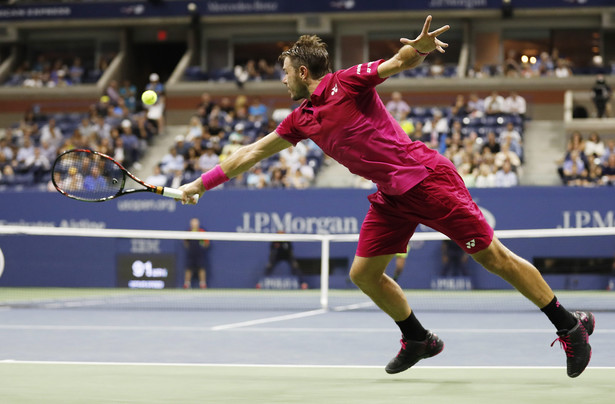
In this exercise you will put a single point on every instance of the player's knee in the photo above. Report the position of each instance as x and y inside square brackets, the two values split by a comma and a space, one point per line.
[497, 259]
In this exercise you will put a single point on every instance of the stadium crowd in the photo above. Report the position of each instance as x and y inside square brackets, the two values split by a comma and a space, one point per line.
[483, 137]
[48, 70]
[587, 162]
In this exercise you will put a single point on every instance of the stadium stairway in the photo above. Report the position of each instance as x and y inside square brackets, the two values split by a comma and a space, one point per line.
[544, 144]
[159, 147]
[334, 175]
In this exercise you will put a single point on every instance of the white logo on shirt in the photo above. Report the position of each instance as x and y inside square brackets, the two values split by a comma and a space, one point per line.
[334, 90]
[369, 69]
[471, 243]
[359, 68]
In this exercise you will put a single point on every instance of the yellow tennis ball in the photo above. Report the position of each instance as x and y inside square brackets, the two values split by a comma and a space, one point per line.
[149, 97]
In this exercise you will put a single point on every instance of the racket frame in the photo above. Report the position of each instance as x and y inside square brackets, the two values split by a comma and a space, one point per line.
[164, 191]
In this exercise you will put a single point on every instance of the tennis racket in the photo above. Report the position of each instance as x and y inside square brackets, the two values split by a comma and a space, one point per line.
[90, 176]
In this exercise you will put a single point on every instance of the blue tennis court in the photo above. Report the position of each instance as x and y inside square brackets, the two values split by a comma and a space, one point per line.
[83, 349]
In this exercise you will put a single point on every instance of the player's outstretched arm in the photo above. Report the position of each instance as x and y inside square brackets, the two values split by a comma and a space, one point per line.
[240, 161]
[414, 51]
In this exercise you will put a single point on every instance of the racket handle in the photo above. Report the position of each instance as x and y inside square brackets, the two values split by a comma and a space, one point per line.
[176, 194]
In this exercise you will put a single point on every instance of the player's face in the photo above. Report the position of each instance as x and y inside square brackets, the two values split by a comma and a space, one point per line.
[296, 86]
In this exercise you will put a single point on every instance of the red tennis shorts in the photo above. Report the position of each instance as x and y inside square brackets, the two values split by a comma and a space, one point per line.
[441, 201]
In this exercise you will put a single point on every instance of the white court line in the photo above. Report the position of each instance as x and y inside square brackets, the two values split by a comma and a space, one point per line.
[257, 365]
[269, 320]
[290, 316]
[242, 327]
[251, 365]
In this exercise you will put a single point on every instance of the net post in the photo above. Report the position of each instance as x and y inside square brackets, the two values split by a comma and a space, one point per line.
[324, 272]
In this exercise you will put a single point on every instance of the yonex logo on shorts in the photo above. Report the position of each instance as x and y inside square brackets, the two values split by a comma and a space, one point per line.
[471, 243]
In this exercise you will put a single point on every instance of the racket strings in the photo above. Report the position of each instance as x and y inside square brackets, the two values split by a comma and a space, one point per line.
[84, 175]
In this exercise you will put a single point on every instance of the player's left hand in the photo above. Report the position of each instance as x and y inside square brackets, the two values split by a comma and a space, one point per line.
[427, 41]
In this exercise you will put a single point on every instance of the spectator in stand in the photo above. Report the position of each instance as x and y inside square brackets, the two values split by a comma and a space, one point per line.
[205, 107]
[476, 106]
[544, 65]
[278, 178]
[172, 161]
[468, 176]
[73, 181]
[594, 173]
[24, 154]
[235, 142]
[256, 178]
[515, 104]
[513, 137]
[608, 171]
[601, 96]
[573, 168]
[494, 104]
[460, 108]
[485, 178]
[157, 178]
[397, 106]
[51, 133]
[562, 69]
[307, 171]
[436, 68]
[128, 92]
[38, 165]
[76, 71]
[610, 149]
[298, 181]
[292, 156]
[155, 113]
[505, 154]
[48, 150]
[511, 65]
[29, 121]
[594, 147]
[437, 128]
[257, 109]
[133, 146]
[93, 180]
[208, 159]
[113, 92]
[505, 176]
[195, 129]
[491, 143]
[6, 152]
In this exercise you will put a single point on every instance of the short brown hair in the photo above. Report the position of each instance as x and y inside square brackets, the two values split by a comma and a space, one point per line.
[309, 51]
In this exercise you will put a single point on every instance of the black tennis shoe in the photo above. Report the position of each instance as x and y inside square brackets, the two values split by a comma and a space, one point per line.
[575, 343]
[413, 351]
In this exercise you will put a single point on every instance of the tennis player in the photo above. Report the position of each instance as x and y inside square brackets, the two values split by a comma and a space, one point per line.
[343, 114]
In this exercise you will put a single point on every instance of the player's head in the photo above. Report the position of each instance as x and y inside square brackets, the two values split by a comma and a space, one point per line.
[306, 60]
[195, 223]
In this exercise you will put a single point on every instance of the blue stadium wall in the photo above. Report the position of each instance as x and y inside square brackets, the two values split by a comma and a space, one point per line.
[94, 262]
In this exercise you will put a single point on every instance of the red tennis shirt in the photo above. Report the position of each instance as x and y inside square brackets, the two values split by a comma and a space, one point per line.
[347, 119]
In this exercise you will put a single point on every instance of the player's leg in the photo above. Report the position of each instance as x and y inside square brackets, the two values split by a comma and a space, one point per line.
[368, 274]
[187, 278]
[417, 342]
[573, 328]
[515, 270]
[202, 278]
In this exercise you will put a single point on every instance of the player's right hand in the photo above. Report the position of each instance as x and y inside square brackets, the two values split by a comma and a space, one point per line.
[192, 192]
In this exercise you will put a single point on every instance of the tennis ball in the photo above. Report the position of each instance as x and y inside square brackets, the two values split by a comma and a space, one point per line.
[149, 97]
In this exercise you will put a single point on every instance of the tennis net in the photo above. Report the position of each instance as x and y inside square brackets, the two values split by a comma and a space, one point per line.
[90, 269]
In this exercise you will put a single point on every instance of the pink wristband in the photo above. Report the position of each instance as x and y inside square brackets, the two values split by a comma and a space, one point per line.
[421, 53]
[213, 178]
